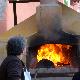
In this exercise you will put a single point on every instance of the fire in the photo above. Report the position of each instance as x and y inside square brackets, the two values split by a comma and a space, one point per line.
[53, 52]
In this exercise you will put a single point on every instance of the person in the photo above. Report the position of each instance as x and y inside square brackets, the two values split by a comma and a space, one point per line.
[12, 66]
[76, 76]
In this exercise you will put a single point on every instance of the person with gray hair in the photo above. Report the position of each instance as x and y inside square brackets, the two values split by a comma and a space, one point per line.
[12, 66]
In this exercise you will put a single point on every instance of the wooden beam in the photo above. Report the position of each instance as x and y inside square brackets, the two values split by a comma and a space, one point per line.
[15, 14]
[14, 7]
[23, 1]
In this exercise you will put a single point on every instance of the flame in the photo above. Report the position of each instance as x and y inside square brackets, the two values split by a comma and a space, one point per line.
[53, 52]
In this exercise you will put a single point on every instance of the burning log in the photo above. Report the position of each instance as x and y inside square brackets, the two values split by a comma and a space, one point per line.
[45, 63]
[62, 64]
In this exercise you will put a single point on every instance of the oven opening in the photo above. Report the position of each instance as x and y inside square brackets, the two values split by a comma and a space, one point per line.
[58, 54]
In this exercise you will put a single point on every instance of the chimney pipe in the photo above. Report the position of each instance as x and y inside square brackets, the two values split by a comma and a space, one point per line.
[49, 18]
[48, 1]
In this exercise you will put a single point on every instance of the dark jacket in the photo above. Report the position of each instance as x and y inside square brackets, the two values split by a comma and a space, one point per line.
[11, 69]
[76, 76]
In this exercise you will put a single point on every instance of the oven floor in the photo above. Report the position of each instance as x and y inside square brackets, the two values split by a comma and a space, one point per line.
[54, 78]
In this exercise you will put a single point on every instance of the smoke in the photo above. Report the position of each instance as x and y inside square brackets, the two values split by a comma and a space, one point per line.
[51, 30]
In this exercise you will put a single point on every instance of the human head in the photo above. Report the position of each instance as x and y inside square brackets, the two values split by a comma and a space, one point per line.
[16, 45]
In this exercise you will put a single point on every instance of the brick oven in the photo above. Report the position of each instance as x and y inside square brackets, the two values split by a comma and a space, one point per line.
[52, 52]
